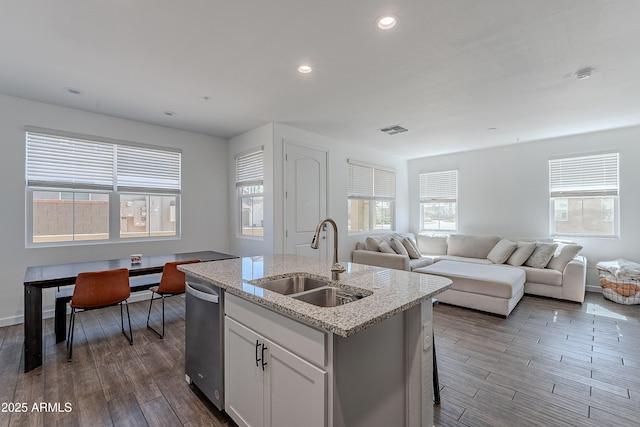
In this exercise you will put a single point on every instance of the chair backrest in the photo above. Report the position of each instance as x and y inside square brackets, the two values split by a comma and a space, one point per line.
[101, 288]
[173, 280]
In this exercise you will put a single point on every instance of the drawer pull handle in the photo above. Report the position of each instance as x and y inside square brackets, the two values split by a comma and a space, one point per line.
[264, 363]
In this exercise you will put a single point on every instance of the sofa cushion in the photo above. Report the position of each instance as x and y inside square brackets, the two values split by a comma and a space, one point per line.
[385, 247]
[397, 246]
[463, 259]
[501, 251]
[541, 255]
[521, 254]
[545, 276]
[419, 263]
[492, 280]
[432, 245]
[471, 246]
[411, 248]
[563, 254]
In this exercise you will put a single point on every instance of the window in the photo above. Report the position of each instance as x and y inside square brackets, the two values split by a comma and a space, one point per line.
[583, 195]
[73, 183]
[439, 200]
[249, 182]
[371, 194]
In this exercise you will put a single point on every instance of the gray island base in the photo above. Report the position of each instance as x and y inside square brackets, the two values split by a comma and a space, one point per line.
[289, 363]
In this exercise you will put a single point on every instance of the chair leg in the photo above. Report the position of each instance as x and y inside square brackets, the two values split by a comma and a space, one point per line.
[161, 335]
[130, 336]
[150, 304]
[72, 324]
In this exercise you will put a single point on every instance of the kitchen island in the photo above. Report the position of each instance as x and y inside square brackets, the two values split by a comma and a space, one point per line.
[288, 362]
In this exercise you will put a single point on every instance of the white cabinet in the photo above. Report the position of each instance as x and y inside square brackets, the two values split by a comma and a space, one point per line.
[266, 383]
[280, 372]
[244, 378]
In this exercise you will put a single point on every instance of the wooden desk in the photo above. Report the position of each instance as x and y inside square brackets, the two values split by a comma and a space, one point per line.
[49, 276]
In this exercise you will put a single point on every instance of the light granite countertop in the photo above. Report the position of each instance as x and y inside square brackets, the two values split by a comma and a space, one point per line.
[389, 291]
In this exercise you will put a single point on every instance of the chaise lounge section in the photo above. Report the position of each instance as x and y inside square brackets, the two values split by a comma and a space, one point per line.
[489, 273]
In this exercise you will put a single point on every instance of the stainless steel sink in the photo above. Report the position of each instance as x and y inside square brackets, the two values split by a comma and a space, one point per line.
[291, 285]
[329, 297]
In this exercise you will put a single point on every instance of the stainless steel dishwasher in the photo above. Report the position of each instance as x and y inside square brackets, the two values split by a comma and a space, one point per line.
[204, 339]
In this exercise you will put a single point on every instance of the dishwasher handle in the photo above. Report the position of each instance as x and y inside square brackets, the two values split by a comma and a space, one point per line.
[214, 298]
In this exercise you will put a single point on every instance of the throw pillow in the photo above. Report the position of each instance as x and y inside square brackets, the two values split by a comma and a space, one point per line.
[386, 248]
[501, 251]
[522, 253]
[563, 255]
[412, 248]
[399, 247]
[371, 243]
[541, 255]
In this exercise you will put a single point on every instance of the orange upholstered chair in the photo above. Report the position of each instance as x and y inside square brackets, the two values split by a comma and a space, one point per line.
[98, 290]
[171, 283]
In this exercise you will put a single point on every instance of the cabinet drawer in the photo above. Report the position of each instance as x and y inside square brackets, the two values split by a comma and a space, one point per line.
[305, 341]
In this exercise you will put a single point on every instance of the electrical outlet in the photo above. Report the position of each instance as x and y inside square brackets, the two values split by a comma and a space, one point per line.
[427, 334]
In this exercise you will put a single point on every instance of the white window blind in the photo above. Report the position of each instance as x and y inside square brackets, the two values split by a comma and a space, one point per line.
[250, 168]
[594, 175]
[439, 186]
[146, 169]
[370, 182]
[68, 162]
[384, 184]
[54, 161]
[360, 181]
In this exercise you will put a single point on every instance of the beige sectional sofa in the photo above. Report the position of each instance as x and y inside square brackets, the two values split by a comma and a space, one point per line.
[551, 269]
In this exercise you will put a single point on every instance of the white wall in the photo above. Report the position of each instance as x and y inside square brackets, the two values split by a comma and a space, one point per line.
[273, 136]
[204, 184]
[243, 245]
[338, 153]
[505, 190]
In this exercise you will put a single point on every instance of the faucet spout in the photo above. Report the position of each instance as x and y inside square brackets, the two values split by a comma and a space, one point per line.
[336, 268]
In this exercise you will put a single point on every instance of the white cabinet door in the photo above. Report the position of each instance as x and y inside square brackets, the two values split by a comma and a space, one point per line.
[243, 383]
[295, 390]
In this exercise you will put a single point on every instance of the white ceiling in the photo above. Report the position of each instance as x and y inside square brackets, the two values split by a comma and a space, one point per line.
[449, 70]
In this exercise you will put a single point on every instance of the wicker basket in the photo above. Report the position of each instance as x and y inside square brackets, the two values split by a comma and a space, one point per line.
[622, 291]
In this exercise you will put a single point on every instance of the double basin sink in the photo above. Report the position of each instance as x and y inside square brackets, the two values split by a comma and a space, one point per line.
[312, 290]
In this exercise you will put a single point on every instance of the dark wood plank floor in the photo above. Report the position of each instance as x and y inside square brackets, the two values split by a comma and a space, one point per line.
[550, 363]
[109, 382]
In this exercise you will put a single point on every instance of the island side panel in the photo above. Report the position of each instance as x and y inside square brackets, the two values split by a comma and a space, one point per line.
[419, 373]
[369, 376]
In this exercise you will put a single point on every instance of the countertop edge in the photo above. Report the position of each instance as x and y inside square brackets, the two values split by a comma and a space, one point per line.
[309, 319]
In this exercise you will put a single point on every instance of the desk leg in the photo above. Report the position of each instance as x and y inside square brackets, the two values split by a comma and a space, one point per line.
[60, 319]
[32, 327]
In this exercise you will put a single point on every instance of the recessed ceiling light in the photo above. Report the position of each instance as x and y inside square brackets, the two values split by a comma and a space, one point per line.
[386, 22]
[170, 113]
[305, 69]
[74, 91]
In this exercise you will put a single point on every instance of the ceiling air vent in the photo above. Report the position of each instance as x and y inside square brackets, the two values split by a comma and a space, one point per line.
[392, 130]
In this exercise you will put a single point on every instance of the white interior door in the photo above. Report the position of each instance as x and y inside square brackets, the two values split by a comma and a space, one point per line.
[305, 198]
